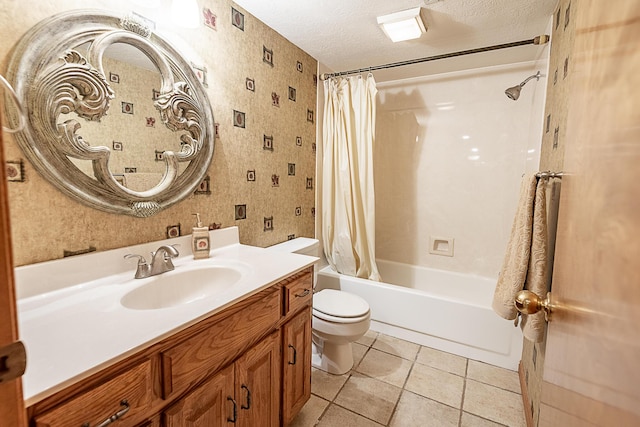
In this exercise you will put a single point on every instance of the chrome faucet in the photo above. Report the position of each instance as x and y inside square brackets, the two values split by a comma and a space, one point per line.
[160, 262]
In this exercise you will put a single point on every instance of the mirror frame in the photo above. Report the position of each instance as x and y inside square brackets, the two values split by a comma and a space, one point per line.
[51, 78]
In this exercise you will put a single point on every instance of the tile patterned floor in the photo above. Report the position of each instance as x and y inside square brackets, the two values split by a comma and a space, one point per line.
[396, 383]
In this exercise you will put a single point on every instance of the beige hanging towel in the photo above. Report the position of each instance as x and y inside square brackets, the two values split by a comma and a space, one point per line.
[525, 262]
[533, 326]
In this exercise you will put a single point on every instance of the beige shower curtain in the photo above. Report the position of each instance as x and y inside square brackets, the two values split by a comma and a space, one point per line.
[348, 215]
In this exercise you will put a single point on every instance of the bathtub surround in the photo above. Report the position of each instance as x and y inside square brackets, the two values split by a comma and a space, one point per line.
[450, 153]
[348, 215]
[225, 57]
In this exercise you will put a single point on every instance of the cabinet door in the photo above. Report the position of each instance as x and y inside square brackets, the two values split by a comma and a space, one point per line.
[209, 405]
[258, 384]
[296, 365]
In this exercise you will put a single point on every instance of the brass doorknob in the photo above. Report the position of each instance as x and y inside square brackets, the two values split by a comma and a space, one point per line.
[528, 302]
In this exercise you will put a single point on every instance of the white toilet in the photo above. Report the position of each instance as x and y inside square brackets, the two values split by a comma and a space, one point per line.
[339, 318]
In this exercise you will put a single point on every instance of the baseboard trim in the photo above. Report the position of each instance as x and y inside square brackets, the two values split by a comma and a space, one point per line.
[526, 402]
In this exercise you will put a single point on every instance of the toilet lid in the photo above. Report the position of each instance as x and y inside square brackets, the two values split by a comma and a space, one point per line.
[339, 303]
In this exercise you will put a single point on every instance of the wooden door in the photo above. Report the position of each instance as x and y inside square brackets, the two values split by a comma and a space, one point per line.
[592, 363]
[296, 365]
[258, 384]
[210, 405]
[12, 411]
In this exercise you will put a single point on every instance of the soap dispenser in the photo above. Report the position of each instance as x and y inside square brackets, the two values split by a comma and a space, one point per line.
[200, 239]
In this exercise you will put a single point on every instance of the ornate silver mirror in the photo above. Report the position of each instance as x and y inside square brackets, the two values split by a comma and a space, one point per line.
[117, 118]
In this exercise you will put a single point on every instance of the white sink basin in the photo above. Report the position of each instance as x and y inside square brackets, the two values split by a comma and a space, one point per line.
[180, 287]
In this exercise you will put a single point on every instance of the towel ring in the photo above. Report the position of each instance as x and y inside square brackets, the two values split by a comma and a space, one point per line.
[16, 100]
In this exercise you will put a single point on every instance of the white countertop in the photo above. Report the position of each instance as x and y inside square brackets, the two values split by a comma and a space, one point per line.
[79, 328]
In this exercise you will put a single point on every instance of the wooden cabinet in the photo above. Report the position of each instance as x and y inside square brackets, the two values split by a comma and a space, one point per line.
[296, 364]
[257, 387]
[128, 394]
[246, 393]
[226, 368]
[211, 404]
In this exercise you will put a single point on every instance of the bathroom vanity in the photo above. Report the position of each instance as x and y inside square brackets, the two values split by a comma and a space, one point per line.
[241, 355]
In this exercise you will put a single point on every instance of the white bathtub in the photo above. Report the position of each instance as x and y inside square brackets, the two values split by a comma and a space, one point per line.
[439, 309]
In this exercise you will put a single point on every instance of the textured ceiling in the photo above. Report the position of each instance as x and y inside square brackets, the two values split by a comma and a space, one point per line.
[343, 34]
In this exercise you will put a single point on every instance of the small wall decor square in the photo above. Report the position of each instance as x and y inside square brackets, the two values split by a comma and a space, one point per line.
[210, 19]
[291, 236]
[250, 84]
[275, 99]
[547, 126]
[299, 66]
[268, 223]
[117, 146]
[159, 156]
[204, 186]
[114, 78]
[298, 211]
[291, 169]
[309, 183]
[173, 231]
[151, 122]
[14, 170]
[240, 212]
[310, 115]
[239, 119]
[292, 94]
[267, 143]
[251, 175]
[130, 170]
[275, 180]
[127, 107]
[201, 73]
[237, 19]
[267, 56]
[299, 141]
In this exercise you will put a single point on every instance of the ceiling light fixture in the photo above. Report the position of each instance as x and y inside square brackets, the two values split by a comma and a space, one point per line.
[404, 25]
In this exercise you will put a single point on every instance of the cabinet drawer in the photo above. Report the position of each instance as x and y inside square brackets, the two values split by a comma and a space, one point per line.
[95, 406]
[209, 350]
[298, 292]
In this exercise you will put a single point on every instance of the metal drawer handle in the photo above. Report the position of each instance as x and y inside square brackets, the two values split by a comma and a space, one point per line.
[248, 397]
[303, 294]
[295, 355]
[235, 411]
[114, 417]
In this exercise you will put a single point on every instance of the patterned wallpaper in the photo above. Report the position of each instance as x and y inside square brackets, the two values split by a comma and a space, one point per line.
[551, 158]
[262, 178]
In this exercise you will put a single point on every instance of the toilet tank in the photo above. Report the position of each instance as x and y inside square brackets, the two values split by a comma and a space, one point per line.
[299, 245]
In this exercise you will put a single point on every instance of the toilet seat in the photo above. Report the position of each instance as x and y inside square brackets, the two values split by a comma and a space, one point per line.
[339, 306]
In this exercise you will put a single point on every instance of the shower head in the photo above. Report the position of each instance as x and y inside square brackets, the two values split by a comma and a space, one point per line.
[514, 92]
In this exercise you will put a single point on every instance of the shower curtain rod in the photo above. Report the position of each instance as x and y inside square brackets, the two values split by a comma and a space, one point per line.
[543, 39]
